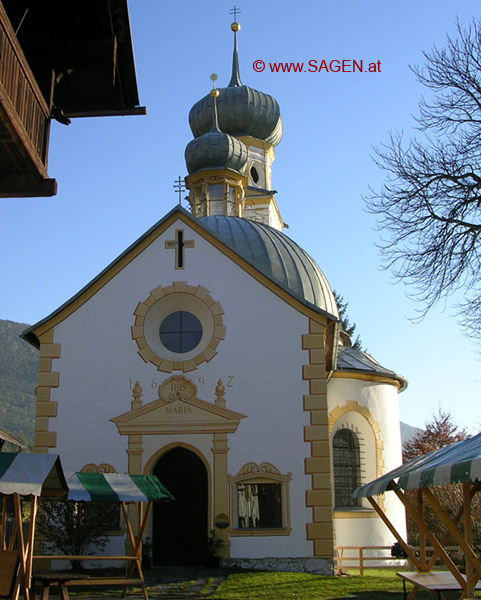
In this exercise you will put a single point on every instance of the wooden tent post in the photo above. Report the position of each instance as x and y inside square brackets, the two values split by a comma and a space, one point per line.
[25, 581]
[30, 539]
[136, 546]
[431, 537]
[468, 536]
[412, 557]
[463, 542]
[422, 539]
[474, 489]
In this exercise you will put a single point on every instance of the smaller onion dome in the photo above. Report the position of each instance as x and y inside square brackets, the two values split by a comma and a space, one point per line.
[215, 149]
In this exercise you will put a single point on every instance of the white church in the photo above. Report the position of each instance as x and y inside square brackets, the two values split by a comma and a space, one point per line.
[210, 353]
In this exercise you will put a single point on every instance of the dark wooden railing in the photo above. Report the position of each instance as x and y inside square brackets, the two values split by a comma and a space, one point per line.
[22, 96]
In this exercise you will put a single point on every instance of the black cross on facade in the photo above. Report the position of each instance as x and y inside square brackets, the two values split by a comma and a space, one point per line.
[178, 245]
[179, 187]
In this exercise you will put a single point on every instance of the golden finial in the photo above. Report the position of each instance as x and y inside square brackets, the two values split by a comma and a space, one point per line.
[235, 25]
[214, 92]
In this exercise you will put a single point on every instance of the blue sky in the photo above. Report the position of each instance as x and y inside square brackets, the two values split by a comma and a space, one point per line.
[116, 175]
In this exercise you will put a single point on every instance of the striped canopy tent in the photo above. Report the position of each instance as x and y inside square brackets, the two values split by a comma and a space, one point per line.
[124, 489]
[116, 487]
[28, 474]
[458, 463]
[24, 477]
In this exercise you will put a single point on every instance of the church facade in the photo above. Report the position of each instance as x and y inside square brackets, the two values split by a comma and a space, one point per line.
[210, 353]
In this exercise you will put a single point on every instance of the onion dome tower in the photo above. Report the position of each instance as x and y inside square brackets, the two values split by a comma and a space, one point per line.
[216, 163]
[251, 118]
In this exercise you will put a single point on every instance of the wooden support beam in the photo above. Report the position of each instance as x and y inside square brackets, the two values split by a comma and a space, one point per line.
[461, 541]
[430, 536]
[407, 549]
[422, 539]
[26, 186]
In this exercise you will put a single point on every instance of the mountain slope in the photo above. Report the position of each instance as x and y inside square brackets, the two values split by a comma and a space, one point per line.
[18, 379]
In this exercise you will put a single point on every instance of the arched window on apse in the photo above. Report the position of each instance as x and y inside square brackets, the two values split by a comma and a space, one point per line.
[347, 467]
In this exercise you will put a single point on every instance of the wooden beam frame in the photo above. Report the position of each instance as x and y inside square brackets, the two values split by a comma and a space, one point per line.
[27, 186]
[473, 564]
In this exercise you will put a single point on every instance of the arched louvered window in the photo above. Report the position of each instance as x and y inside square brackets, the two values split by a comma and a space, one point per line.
[347, 467]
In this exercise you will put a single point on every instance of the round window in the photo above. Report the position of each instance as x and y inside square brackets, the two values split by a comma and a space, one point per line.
[180, 332]
[257, 173]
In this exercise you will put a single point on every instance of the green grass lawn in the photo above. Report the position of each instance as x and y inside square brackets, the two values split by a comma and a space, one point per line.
[258, 585]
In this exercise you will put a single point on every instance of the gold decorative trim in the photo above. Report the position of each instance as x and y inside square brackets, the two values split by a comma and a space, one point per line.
[319, 497]
[367, 377]
[355, 514]
[253, 473]
[264, 471]
[47, 379]
[207, 305]
[177, 411]
[101, 468]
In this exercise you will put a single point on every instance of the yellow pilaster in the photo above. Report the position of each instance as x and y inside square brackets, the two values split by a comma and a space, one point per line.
[220, 449]
[319, 497]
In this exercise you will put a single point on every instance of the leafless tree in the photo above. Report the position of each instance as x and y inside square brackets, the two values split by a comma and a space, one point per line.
[429, 208]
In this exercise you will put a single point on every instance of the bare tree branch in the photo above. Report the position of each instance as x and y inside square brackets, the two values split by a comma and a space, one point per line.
[429, 208]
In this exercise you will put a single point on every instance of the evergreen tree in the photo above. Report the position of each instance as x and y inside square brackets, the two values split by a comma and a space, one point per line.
[345, 323]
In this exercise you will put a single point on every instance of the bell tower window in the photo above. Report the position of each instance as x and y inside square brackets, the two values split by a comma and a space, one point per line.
[216, 199]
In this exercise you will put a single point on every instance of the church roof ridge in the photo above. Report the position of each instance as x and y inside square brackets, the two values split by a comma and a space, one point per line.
[94, 284]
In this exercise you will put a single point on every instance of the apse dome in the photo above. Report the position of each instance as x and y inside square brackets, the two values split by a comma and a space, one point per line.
[277, 257]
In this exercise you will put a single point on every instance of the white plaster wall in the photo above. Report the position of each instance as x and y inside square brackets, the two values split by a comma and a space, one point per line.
[260, 363]
[381, 399]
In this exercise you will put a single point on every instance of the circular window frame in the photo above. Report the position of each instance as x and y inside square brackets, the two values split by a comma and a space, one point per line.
[164, 300]
[260, 170]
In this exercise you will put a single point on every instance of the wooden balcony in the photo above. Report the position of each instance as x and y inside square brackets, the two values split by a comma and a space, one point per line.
[24, 123]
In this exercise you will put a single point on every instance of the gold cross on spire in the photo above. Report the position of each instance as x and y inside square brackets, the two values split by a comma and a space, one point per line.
[234, 11]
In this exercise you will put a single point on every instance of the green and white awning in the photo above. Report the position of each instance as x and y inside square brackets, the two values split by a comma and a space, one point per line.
[452, 464]
[116, 487]
[31, 474]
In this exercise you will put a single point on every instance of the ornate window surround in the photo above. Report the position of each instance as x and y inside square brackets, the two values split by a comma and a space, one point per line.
[253, 473]
[335, 418]
[166, 299]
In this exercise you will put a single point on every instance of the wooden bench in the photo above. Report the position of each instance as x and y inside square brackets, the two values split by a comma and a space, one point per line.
[46, 580]
[432, 581]
[84, 580]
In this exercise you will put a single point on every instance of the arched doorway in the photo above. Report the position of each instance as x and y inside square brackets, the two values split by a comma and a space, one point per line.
[180, 527]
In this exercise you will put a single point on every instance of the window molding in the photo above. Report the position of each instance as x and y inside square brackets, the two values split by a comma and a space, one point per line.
[336, 418]
[252, 473]
[163, 300]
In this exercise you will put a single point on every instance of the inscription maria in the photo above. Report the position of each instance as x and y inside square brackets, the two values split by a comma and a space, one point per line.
[178, 410]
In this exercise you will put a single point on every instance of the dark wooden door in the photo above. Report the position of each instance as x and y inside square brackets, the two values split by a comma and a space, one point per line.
[180, 527]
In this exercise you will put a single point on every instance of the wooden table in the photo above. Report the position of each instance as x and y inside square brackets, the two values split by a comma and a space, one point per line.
[432, 581]
[48, 579]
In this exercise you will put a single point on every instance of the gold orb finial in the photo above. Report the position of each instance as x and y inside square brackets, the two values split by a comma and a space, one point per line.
[235, 26]
[214, 92]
